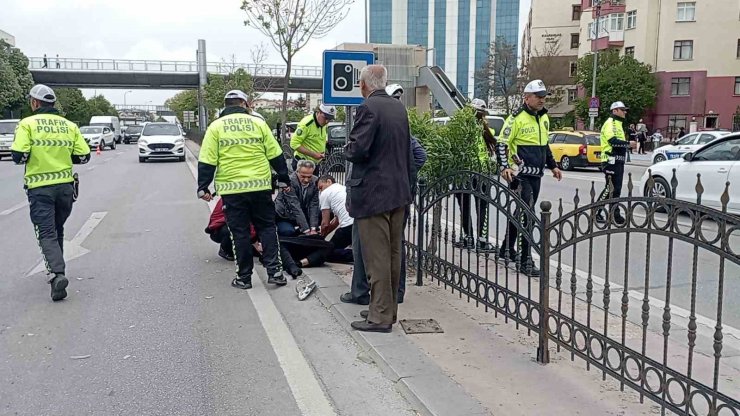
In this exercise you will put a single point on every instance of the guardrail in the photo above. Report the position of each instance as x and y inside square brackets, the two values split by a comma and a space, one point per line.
[129, 65]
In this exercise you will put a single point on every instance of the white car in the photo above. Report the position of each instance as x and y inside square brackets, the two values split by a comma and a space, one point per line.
[495, 122]
[161, 141]
[688, 143]
[98, 136]
[717, 162]
[7, 133]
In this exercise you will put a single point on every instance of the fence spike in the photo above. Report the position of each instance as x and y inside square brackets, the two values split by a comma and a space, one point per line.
[560, 207]
[576, 199]
[630, 185]
[699, 189]
[674, 183]
[725, 198]
[593, 191]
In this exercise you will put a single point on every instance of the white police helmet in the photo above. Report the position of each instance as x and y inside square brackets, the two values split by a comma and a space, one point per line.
[394, 90]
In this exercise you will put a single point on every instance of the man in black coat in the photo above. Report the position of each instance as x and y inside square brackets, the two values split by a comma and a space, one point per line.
[380, 191]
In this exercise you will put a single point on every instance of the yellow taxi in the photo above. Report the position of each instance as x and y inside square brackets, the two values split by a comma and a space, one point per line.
[576, 149]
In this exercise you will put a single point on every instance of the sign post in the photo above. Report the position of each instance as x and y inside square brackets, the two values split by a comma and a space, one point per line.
[593, 110]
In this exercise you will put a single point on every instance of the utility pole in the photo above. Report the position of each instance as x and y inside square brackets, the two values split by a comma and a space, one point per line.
[597, 4]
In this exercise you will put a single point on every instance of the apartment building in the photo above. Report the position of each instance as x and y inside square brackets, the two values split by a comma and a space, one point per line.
[693, 47]
[457, 33]
[7, 37]
[549, 50]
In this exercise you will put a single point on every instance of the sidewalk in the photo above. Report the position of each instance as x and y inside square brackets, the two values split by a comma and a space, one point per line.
[641, 160]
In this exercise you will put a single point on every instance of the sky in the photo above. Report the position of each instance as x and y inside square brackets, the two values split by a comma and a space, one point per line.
[157, 30]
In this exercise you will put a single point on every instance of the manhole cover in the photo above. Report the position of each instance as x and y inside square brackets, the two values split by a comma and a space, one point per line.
[421, 326]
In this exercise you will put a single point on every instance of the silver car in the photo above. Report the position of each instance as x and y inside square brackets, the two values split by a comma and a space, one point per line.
[7, 133]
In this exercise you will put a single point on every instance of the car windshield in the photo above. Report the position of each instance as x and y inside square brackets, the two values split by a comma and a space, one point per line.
[593, 140]
[161, 130]
[686, 140]
[495, 123]
[91, 130]
[8, 127]
[134, 129]
[338, 132]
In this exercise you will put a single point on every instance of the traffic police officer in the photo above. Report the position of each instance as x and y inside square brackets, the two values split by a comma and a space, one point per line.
[309, 139]
[614, 147]
[48, 145]
[239, 149]
[524, 143]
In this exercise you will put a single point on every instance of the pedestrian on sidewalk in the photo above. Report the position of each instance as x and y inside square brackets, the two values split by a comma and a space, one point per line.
[657, 139]
[642, 137]
[48, 145]
[613, 157]
[239, 150]
[360, 289]
[378, 147]
[524, 143]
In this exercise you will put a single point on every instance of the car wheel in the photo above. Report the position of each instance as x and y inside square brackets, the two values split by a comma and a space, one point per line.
[659, 158]
[142, 159]
[113, 145]
[102, 145]
[125, 141]
[565, 163]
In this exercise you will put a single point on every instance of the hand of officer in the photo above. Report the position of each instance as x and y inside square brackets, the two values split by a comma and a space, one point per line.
[557, 174]
[207, 196]
[320, 156]
[507, 174]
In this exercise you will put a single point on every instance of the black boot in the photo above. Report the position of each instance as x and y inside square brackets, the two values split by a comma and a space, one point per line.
[244, 282]
[277, 279]
[58, 287]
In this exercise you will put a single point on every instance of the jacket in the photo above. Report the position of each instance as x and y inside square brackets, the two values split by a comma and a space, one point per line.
[218, 220]
[48, 144]
[310, 135]
[379, 147]
[613, 143]
[299, 205]
[524, 141]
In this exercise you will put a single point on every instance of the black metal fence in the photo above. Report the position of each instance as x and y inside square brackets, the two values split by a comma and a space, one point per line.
[644, 300]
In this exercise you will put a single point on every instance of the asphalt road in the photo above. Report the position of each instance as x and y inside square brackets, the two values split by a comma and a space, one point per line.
[151, 325]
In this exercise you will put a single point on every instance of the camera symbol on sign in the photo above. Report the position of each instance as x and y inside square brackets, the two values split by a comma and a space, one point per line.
[346, 77]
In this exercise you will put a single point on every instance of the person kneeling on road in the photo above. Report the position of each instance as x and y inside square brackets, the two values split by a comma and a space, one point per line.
[238, 150]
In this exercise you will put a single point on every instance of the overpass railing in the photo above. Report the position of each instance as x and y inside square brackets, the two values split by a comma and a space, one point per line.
[131, 65]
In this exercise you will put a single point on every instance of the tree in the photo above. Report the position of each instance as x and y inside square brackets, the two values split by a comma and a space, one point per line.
[73, 105]
[498, 78]
[100, 106]
[300, 103]
[619, 78]
[341, 114]
[218, 85]
[291, 24]
[546, 66]
[183, 101]
[262, 84]
[15, 78]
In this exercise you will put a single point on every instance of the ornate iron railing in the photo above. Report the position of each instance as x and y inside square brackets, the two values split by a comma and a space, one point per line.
[665, 339]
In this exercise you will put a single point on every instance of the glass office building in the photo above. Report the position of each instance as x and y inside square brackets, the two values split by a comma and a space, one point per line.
[458, 32]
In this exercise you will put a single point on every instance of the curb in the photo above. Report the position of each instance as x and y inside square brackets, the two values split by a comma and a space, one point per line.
[417, 377]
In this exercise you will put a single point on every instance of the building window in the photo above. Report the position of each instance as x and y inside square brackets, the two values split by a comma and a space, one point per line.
[575, 40]
[629, 51]
[737, 85]
[680, 86]
[572, 96]
[738, 48]
[632, 19]
[683, 50]
[591, 34]
[576, 12]
[573, 69]
[616, 21]
[686, 11]
[674, 125]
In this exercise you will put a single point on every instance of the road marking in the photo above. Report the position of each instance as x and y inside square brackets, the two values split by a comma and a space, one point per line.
[107, 159]
[14, 208]
[91, 167]
[120, 153]
[598, 179]
[73, 248]
[306, 389]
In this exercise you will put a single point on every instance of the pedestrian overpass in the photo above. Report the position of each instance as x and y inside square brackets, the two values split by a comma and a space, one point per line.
[167, 75]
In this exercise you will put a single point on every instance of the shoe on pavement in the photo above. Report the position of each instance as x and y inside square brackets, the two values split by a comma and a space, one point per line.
[58, 287]
[278, 279]
[304, 288]
[619, 219]
[224, 255]
[295, 273]
[366, 326]
[242, 283]
[528, 269]
[507, 257]
[349, 298]
[485, 247]
[600, 218]
[465, 242]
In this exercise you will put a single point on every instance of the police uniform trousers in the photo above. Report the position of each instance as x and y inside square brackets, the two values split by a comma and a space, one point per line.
[50, 206]
[529, 192]
[256, 208]
[614, 174]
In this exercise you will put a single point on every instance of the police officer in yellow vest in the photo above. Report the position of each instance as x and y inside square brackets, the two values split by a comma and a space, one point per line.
[614, 147]
[309, 139]
[238, 150]
[48, 144]
[523, 143]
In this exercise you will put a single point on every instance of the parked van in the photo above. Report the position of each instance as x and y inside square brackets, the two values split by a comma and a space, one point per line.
[109, 121]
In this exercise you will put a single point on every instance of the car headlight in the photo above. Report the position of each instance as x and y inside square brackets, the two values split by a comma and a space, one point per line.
[142, 142]
[179, 141]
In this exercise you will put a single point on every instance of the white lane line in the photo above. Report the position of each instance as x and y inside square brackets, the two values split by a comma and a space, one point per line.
[14, 208]
[73, 248]
[91, 167]
[120, 153]
[304, 385]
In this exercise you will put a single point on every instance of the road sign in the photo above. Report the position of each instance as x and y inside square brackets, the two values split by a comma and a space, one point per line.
[341, 85]
[188, 116]
[594, 102]
[593, 112]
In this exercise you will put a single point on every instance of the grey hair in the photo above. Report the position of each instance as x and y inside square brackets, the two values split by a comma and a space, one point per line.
[306, 164]
[374, 76]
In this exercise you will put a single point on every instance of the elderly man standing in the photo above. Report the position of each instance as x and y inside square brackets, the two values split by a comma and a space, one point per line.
[379, 147]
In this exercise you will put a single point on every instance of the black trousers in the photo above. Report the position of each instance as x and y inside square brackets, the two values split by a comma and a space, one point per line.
[341, 239]
[50, 206]
[614, 174]
[529, 187]
[223, 237]
[481, 210]
[256, 208]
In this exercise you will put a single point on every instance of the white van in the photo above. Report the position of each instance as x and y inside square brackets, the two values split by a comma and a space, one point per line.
[109, 121]
[7, 133]
[495, 122]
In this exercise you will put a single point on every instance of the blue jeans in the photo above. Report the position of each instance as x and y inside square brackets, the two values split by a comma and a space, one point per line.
[285, 228]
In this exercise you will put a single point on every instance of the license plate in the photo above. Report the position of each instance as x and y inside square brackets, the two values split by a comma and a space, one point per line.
[4, 147]
[673, 155]
[162, 149]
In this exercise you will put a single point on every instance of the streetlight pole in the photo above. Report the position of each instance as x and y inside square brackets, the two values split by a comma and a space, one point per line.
[597, 4]
[124, 98]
